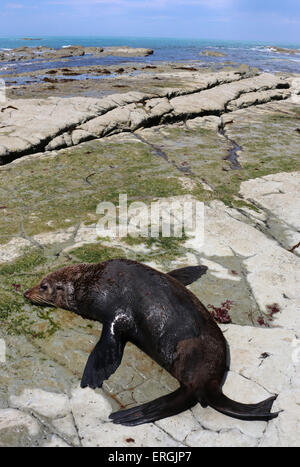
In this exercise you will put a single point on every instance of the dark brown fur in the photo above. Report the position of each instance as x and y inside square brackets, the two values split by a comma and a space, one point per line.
[157, 313]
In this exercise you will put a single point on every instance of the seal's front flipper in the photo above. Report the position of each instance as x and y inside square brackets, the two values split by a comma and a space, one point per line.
[223, 404]
[104, 359]
[163, 407]
[188, 275]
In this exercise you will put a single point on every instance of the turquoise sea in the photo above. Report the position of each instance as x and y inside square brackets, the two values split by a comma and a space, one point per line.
[256, 54]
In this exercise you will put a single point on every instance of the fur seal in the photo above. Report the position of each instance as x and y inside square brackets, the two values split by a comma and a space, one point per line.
[157, 313]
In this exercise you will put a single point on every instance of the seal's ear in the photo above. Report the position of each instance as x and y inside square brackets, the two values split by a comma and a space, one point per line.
[188, 275]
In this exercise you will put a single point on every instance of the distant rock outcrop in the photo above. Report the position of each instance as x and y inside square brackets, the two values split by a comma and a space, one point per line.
[212, 53]
[283, 50]
[47, 53]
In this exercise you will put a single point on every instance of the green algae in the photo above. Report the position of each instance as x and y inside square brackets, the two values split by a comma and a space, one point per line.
[50, 193]
[95, 253]
[270, 144]
[17, 316]
[24, 264]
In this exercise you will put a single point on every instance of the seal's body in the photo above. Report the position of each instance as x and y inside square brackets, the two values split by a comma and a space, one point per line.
[158, 314]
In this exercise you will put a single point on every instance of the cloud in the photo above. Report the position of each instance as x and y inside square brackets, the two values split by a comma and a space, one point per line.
[152, 4]
[14, 6]
[290, 20]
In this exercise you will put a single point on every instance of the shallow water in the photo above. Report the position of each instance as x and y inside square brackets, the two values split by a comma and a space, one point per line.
[255, 54]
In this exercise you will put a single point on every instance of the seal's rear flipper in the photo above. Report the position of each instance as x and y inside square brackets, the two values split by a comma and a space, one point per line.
[162, 407]
[223, 404]
[189, 274]
[104, 359]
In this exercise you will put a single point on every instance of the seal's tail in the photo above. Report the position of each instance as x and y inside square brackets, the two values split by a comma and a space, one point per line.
[163, 407]
[261, 411]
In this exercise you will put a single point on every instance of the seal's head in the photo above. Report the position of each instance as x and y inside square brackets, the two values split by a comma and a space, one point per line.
[56, 289]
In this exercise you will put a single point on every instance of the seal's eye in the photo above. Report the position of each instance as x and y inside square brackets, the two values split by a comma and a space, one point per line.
[44, 287]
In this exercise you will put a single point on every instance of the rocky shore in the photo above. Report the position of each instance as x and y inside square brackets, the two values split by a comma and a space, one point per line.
[229, 139]
[88, 81]
[47, 53]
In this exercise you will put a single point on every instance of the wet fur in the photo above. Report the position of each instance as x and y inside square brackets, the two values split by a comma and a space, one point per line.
[157, 313]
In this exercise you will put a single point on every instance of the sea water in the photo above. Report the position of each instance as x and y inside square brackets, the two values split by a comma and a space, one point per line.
[255, 54]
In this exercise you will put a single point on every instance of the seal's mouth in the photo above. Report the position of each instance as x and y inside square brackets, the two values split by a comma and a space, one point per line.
[33, 296]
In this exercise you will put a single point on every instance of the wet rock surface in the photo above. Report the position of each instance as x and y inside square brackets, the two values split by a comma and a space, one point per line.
[212, 53]
[66, 79]
[174, 142]
[28, 126]
[284, 50]
[46, 53]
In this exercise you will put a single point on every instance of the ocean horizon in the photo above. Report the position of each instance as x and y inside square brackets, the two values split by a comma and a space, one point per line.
[146, 39]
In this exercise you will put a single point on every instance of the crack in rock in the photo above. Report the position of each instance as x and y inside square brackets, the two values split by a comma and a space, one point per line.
[128, 112]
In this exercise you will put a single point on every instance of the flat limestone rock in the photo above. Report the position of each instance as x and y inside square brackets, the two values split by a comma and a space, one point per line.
[44, 403]
[29, 126]
[246, 248]
[276, 193]
[214, 100]
[260, 97]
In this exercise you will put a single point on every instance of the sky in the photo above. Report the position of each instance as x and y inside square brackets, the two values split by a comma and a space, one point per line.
[273, 21]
